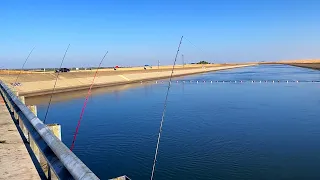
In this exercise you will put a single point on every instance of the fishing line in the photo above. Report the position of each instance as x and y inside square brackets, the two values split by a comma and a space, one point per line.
[85, 104]
[25, 61]
[163, 112]
[195, 46]
[55, 83]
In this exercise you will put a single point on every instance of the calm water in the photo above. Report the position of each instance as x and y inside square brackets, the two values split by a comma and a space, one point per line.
[211, 131]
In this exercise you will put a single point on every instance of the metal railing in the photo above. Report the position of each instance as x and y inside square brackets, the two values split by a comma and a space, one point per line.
[64, 163]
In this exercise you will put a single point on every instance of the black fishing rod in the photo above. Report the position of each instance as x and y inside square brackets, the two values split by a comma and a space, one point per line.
[25, 61]
[54, 87]
[164, 111]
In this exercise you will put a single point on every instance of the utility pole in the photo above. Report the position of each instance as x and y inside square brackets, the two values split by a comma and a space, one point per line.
[182, 57]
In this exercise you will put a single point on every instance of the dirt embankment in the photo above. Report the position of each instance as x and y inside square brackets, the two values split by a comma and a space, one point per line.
[307, 65]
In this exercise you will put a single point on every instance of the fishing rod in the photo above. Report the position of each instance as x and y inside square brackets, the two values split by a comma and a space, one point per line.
[25, 61]
[164, 111]
[55, 83]
[85, 104]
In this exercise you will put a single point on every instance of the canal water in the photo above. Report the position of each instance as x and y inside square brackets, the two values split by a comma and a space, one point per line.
[211, 131]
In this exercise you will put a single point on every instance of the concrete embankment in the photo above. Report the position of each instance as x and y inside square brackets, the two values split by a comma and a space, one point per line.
[306, 65]
[36, 84]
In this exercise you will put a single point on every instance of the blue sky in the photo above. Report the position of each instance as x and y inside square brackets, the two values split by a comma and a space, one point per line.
[143, 32]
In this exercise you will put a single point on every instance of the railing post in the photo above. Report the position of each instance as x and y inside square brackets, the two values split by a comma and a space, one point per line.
[56, 130]
[33, 109]
[15, 114]
[20, 121]
[33, 145]
[11, 105]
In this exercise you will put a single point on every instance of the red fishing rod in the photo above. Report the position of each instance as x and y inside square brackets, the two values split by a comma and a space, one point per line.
[85, 104]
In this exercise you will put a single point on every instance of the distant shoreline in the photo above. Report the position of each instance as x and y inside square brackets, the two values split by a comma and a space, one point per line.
[315, 66]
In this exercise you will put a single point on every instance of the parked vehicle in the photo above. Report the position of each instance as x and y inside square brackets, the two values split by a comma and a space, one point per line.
[145, 67]
[62, 70]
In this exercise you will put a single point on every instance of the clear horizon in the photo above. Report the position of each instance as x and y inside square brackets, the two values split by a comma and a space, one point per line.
[138, 33]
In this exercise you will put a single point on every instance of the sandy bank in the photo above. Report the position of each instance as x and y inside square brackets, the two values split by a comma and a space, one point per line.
[35, 84]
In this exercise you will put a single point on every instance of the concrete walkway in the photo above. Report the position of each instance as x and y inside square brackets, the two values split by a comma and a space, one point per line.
[15, 161]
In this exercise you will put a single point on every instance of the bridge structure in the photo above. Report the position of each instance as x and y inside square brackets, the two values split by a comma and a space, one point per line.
[30, 149]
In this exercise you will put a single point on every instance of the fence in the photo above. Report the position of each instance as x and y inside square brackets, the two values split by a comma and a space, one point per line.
[55, 158]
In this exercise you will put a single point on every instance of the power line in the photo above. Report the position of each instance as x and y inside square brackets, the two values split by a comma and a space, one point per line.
[182, 57]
